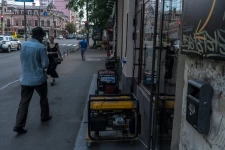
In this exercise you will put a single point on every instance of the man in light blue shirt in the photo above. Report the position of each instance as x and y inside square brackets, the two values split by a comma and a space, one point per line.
[34, 60]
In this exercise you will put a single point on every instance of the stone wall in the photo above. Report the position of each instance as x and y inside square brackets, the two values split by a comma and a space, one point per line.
[212, 72]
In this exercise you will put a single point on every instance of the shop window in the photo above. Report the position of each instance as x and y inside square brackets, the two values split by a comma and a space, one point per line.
[148, 41]
[170, 33]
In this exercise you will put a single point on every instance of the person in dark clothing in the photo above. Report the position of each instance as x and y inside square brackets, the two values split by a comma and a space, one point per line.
[53, 52]
[34, 61]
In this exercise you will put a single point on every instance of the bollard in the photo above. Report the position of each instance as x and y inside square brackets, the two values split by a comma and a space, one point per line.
[64, 54]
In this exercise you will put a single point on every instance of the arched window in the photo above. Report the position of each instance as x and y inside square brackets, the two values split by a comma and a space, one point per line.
[8, 23]
[48, 23]
[42, 23]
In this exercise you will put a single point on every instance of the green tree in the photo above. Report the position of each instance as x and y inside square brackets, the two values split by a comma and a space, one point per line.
[99, 10]
[71, 27]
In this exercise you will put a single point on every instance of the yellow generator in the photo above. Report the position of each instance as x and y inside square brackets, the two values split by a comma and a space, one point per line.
[113, 117]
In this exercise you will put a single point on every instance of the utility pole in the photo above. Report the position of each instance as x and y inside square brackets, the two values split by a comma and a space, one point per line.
[25, 22]
[87, 21]
[2, 17]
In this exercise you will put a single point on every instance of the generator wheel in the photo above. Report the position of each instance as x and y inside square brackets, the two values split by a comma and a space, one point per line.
[88, 144]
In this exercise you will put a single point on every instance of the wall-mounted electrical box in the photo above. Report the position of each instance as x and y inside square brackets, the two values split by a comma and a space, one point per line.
[199, 98]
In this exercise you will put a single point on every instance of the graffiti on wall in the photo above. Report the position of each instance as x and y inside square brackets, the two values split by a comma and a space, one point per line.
[204, 28]
[216, 136]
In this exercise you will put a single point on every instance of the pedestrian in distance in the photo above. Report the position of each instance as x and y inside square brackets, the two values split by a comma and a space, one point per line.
[53, 53]
[83, 47]
[34, 61]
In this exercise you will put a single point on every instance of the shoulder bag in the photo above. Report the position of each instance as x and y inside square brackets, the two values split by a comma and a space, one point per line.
[56, 59]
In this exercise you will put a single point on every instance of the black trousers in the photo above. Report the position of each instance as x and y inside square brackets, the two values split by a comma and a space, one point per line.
[26, 95]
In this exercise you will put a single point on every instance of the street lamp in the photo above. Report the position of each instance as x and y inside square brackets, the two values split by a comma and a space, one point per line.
[51, 8]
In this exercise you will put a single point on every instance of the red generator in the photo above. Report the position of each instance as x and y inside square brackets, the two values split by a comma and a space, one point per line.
[107, 82]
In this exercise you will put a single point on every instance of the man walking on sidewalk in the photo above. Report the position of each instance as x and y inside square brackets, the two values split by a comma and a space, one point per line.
[83, 48]
[34, 60]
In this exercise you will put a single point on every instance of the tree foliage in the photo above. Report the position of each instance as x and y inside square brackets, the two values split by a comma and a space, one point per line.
[99, 10]
[71, 27]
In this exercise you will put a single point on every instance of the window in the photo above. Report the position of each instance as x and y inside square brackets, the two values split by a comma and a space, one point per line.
[8, 23]
[48, 23]
[170, 32]
[23, 22]
[42, 23]
[35, 12]
[22, 12]
[36, 22]
[29, 23]
[17, 22]
[148, 40]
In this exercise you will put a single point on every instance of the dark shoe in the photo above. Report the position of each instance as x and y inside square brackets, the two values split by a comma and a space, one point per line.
[52, 83]
[53, 80]
[46, 119]
[19, 130]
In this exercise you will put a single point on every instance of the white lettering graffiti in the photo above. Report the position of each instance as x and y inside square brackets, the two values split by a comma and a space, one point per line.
[205, 45]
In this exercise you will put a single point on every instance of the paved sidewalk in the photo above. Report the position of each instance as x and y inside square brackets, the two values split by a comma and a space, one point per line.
[67, 102]
[81, 138]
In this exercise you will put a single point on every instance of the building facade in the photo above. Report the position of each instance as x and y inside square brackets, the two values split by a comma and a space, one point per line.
[61, 6]
[53, 23]
[159, 71]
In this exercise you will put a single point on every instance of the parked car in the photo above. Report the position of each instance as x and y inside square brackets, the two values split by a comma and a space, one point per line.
[60, 37]
[8, 43]
[80, 37]
[74, 36]
[69, 36]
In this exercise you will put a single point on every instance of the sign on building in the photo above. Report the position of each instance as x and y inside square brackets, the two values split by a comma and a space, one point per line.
[97, 33]
[45, 13]
[204, 28]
